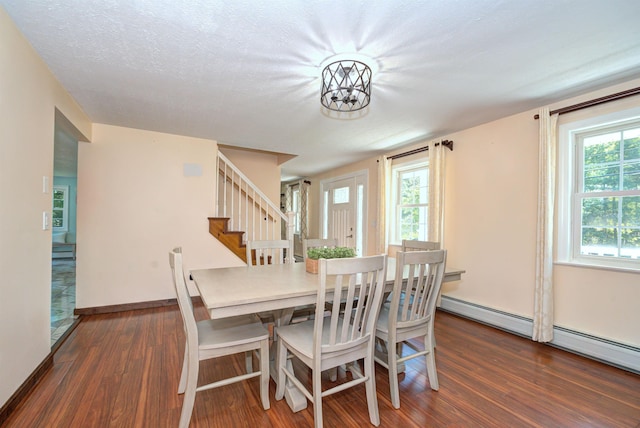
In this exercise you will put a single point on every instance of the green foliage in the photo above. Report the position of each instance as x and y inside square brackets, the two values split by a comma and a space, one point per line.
[611, 164]
[330, 253]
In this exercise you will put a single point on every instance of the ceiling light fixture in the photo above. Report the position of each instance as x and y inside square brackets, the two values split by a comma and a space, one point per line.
[346, 86]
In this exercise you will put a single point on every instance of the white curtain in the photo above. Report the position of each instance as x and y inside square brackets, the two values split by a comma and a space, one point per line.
[304, 208]
[543, 297]
[437, 162]
[384, 184]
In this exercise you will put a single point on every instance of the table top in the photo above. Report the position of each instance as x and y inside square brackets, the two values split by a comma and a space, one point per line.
[244, 290]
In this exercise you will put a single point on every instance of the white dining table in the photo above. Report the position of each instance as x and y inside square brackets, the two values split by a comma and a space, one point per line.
[243, 290]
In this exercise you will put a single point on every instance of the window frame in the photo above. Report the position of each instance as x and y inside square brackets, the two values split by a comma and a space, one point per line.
[395, 232]
[570, 188]
[64, 209]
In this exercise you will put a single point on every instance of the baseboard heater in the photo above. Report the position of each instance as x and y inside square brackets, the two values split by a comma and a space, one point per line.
[613, 353]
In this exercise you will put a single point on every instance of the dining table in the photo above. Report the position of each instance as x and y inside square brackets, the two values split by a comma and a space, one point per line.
[277, 288]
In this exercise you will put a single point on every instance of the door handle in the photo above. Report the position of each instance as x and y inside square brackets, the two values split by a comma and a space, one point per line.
[349, 236]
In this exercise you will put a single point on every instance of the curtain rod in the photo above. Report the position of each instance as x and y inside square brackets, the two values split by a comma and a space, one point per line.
[595, 102]
[447, 143]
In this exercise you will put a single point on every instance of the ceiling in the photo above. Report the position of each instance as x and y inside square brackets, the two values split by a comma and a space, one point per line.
[246, 73]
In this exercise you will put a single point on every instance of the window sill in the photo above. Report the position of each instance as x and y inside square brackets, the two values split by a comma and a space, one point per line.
[598, 267]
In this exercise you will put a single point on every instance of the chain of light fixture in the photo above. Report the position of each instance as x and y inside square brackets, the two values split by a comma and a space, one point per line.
[346, 86]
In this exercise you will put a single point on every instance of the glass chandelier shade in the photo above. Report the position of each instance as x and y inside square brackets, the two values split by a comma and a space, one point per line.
[346, 86]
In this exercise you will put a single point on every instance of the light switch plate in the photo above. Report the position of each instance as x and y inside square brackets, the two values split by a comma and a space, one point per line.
[45, 220]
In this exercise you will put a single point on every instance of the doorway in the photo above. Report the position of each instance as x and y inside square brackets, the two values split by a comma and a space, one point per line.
[63, 230]
[343, 212]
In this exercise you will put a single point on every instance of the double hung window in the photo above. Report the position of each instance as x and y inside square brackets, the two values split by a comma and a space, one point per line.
[603, 216]
[410, 198]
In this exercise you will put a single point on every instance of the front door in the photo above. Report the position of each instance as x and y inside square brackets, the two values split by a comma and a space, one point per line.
[343, 211]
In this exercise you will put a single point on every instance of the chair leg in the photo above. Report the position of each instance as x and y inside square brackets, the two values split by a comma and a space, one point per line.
[333, 374]
[392, 362]
[431, 361]
[248, 361]
[281, 361]
[370, 385]
[317, 398]
[264, 373]
[183, 374]
[190, 392]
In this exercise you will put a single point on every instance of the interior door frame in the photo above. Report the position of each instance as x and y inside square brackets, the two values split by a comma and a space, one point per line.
[360, 177]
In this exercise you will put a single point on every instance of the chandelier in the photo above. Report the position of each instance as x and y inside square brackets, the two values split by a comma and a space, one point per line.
[346, 86]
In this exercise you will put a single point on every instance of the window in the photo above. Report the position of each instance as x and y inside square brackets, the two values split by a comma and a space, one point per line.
[602, 219]
[60, 210]
[410, 196]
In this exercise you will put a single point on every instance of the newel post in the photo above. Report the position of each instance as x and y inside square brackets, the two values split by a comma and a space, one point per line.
[290, 230]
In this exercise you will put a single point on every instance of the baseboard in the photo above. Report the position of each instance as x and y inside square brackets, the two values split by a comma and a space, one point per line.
[96, 310]
[613, 353]
[23, 391]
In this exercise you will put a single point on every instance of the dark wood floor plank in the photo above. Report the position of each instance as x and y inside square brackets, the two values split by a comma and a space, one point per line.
[122, 370]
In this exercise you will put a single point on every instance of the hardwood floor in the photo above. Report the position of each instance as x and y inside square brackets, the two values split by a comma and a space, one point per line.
[122, 370]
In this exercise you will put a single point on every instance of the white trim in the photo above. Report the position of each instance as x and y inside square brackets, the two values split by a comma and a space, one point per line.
[613, 353]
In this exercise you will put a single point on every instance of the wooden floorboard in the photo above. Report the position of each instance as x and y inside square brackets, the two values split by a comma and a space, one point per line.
[122, 370]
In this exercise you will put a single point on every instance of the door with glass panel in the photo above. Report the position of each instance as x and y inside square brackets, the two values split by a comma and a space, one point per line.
[343, 212]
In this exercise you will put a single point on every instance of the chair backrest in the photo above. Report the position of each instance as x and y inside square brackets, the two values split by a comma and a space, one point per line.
[184, 299]
[357, 284]
[414, 245]
[414, 300]
[317, 243]
[268, 252]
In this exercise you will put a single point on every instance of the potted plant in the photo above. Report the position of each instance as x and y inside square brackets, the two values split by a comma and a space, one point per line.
[314, 254]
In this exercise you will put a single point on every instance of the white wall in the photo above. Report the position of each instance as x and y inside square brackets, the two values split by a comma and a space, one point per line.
[30, 95]
[490, 213]
[134, 205]
[260, 167]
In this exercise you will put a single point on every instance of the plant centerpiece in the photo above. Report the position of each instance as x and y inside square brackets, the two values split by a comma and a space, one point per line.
[314, 254]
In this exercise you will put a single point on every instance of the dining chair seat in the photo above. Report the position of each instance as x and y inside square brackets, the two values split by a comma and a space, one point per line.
[302, 335]
[226, 332]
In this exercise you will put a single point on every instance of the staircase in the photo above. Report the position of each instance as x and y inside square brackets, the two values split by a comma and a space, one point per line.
[244, 213]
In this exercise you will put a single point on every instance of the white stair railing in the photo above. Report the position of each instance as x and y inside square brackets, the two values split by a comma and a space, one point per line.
[247, 207]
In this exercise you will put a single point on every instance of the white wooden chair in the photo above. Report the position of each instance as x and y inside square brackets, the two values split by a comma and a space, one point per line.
[215, 338]
[341, 338]
[268, 251]
[306, 244]
[317, 243]
[411, 314]
[415, 245]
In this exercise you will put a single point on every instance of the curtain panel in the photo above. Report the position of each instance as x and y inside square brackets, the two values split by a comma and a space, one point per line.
[384, 195]
[437, 163]
[543, 293]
